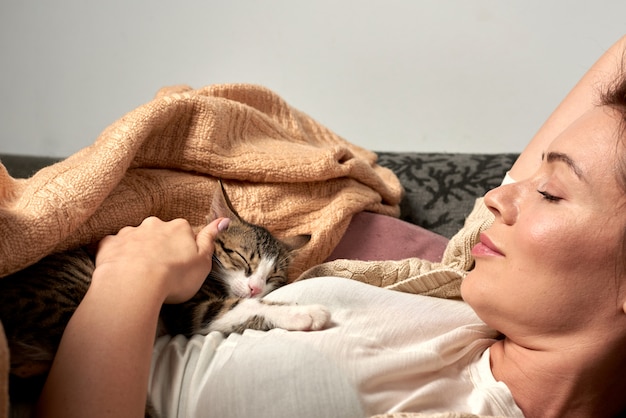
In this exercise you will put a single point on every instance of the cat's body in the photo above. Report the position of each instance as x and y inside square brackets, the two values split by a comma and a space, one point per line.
[248, 263]
[37, 302]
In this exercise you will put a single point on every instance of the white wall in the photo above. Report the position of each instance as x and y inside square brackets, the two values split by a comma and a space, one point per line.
[423, 75]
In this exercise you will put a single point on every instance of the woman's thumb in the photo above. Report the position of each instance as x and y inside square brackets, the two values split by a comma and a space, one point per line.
[206, 237]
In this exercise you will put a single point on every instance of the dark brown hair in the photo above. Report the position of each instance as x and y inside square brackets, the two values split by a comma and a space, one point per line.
[614, 96]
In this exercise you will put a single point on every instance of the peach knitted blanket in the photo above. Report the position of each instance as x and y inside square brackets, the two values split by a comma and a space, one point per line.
[281, 169]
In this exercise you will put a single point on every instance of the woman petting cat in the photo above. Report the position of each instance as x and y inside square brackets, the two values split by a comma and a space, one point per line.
[549, 276]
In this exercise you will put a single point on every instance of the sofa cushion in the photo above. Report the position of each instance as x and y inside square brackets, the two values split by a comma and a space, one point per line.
[441, 188]
[373, 237]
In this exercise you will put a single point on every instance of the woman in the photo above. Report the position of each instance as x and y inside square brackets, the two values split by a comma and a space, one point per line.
[549, 276]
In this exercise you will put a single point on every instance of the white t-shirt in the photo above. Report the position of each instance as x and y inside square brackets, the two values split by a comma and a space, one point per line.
[385, 351]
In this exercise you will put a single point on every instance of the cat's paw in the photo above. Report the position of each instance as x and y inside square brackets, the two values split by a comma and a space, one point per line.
[305, 318]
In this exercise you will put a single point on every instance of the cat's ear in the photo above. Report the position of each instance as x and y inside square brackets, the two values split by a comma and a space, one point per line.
[296, 242]
[221, 206]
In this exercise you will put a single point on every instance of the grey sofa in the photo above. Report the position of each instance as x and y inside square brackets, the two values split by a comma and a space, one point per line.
[440, 188]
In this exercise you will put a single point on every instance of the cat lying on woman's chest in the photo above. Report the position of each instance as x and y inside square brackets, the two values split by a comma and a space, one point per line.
[248, 263]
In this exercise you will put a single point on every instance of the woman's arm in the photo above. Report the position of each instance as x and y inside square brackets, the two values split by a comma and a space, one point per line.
[584, 96]
[103, 363]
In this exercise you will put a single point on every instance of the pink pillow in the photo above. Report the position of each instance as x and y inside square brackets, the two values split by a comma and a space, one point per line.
[372, 236]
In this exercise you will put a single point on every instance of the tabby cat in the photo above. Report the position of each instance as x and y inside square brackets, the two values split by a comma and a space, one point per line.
[36, 303]
[248, 263]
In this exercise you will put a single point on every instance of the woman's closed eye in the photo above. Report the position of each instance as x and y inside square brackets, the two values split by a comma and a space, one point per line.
[549, 197]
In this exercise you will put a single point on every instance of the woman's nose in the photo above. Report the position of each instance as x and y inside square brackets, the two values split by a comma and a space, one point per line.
[502, 202]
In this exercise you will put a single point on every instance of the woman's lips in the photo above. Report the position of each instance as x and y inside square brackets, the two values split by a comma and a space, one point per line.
[485, 248]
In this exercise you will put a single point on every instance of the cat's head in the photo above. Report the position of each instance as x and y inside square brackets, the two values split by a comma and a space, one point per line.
[248, 259]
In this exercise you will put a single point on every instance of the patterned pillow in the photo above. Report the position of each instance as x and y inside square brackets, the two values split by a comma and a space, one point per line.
[441, 187]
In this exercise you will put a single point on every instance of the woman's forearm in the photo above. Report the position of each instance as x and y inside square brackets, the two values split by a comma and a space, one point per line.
[102, 366]
[103, 363]
[583, 97]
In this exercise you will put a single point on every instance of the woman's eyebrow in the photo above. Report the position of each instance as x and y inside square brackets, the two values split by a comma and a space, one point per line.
[564, 158]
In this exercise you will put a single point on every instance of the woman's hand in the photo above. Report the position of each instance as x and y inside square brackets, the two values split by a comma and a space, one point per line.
[166, 255]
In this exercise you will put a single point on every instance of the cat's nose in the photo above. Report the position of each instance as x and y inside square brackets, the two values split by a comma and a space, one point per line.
[254, 290]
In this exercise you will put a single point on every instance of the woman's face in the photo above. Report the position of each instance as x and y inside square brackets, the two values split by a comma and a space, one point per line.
[549, 264]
